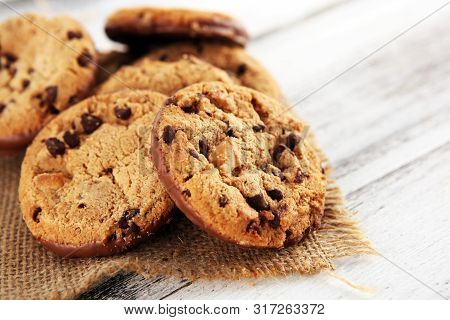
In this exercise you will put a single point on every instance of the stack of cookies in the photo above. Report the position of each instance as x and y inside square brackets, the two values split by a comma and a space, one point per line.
[186, 120]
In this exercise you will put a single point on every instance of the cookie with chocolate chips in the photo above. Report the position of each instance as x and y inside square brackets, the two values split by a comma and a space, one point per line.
[239, 65]
[138, 26]
[238, 165]
[87, 187]
[163, 76]
[46, 65]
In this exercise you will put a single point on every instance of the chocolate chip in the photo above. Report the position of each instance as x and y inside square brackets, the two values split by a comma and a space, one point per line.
[81, 206]
[223, 200]
[134, 228]
[73, 99]
[90, 123]
[275, 222]
[242, 68]
[193, 153]
[55, 147]
[277, 151]
[123, 113]
[168, 134]
[84, 58]
[52, 109]
[123, 222]
[275, 194]
[236, 172]
[36, 213]
[9, 56]
[2, 107]
[253, 227]
[280, 175]
[259, 128]
[72, 139]
[189, 177]
[74, 34]
[203, 147]
[186, 192]
[258, 202]
[25, 83]
[300, 176]
[51, 93]
[30, 70]
[126, 216]
[192, 108]
[163, 57]
[112, 237]
[292, 140]
[130, 213]
[170, 101]
[230, 133]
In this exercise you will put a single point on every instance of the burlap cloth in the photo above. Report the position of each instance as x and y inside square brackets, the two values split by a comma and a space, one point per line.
[27, 271]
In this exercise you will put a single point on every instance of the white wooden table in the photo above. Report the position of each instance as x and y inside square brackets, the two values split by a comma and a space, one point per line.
[374, 80]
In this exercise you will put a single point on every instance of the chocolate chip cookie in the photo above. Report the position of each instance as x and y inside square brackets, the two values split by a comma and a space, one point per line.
[238, 166]
[87, 187]
[163, 76]
[141, 26]
[242, 68]
[46, 65]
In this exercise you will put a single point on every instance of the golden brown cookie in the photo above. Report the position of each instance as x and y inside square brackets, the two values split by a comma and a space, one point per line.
[87, 187]
[242, 68]
[238, 166]
[163, 76]
[141, 26]
[46, 65]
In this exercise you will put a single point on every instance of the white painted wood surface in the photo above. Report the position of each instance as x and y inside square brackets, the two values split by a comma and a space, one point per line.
[385, 125]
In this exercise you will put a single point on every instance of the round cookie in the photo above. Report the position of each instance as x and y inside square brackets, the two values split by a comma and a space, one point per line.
[164, 77]
[238, 166]
[139, 26]
[87, 187]
[46, 65]
[243, 69]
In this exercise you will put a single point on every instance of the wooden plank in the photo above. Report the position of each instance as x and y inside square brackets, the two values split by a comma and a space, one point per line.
[372, 144]
[131, 286]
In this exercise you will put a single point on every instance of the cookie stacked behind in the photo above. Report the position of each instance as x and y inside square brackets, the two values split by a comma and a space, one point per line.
[145, 24]
[46, 65]
[169, 34]
[229, 156]
[161, 76]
